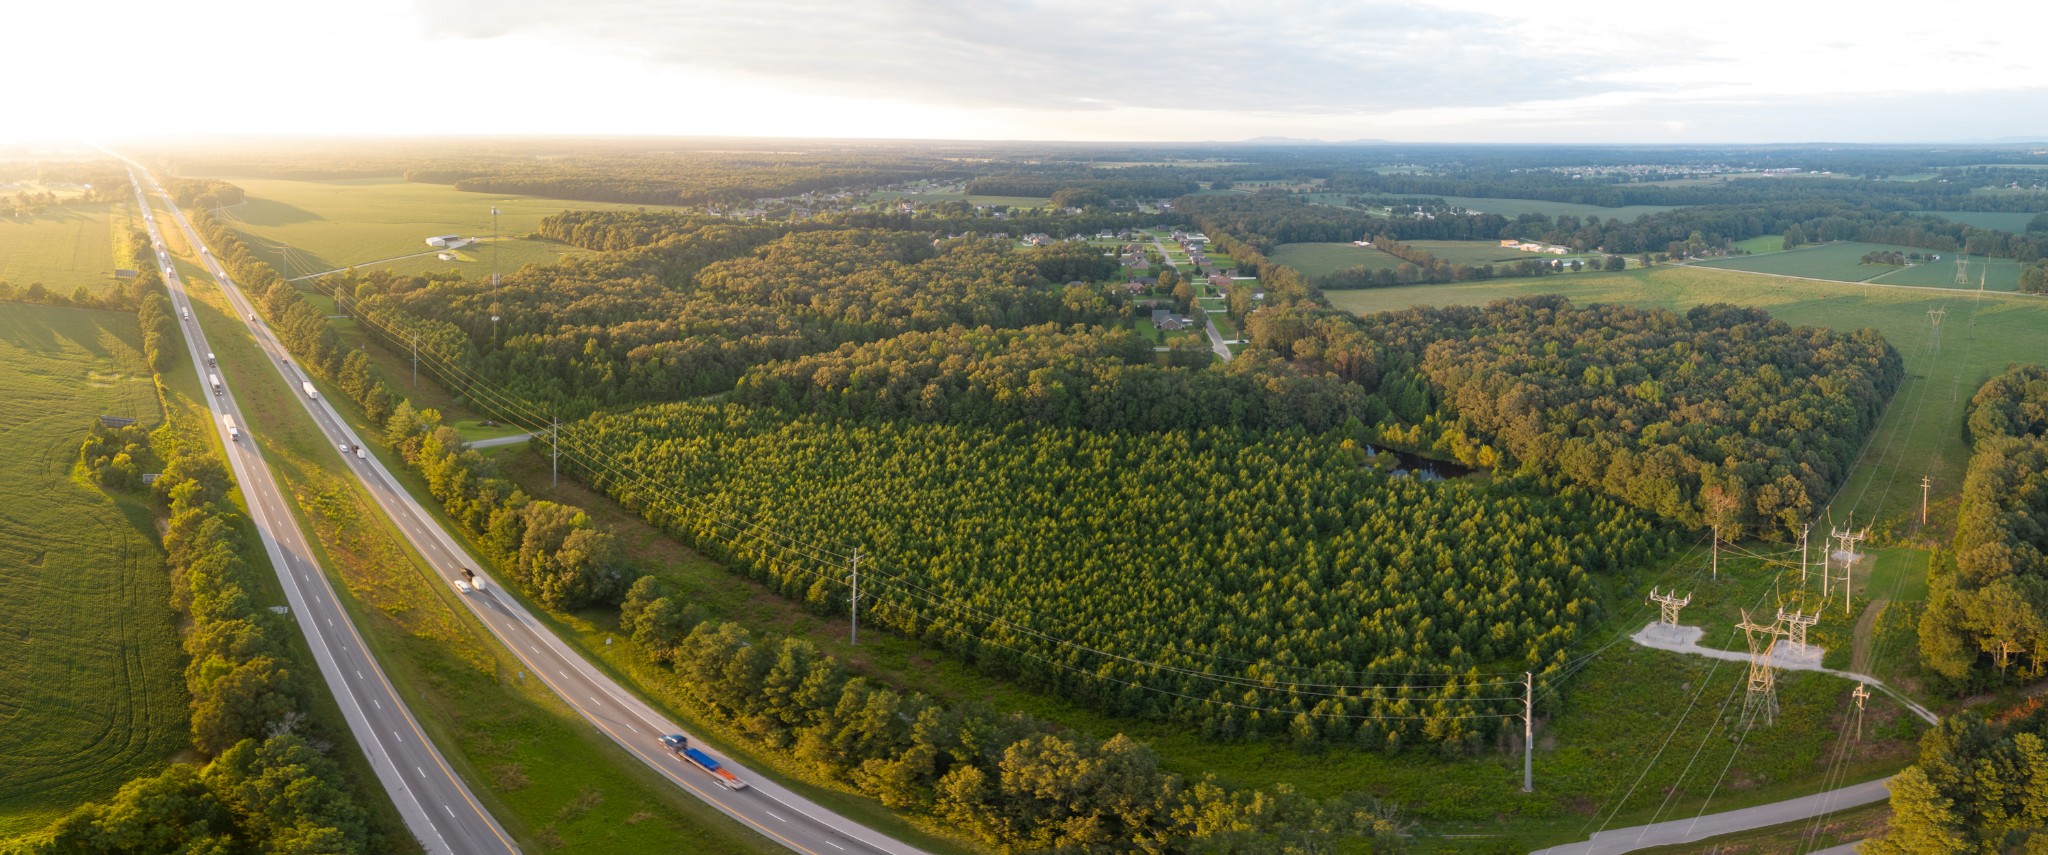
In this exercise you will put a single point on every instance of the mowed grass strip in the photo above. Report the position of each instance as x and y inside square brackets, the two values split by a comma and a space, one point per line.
[367, 221]
[91, 682]
[1842, 262]
[64, 247]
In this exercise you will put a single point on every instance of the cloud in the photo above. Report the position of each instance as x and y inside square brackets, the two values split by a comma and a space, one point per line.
[1321, 57]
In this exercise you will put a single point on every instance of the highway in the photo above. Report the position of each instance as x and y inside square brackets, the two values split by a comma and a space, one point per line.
[781, 815]
[437, 807]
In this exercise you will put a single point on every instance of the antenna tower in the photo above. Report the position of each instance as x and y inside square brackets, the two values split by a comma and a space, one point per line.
[1763, 679]
[1670, 603]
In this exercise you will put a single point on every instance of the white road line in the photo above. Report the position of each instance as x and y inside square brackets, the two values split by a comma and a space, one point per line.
[423, 772]
[772, 813]
[359, 673]
[451, 812]
[380, 704]
[835, 846]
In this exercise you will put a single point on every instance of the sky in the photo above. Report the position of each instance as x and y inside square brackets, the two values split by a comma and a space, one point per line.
[1559, 71]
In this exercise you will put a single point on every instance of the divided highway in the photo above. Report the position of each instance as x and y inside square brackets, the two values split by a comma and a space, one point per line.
[437, 807]
[782, 815]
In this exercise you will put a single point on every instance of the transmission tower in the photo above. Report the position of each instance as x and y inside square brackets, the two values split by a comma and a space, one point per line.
[1670, 604]
[1763, 680]
[1845, 551]
[1962, 270]
[1934, 316]
[1795, 626]
[1803, 530]
[1926, 483]
[1861, 694]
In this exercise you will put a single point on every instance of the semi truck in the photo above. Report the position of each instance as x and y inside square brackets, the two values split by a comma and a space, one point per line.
[310, 391]
[680, 744]
[209, 359]
[215, 380]
[475, 582]
[234, 433]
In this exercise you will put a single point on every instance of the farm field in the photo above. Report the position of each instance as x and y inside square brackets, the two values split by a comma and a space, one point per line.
[1012, 201]
[91, 689]
[1762, 244]
[1999, 220]
[1517, 207]
[1476, 252]
[1319, 259]
[64, 247]
[1920, 433]
[332, 224]
[1841, 262]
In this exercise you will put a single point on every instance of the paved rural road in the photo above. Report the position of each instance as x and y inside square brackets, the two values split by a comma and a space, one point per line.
[782, 815]
[1715, 825]
[438, 808]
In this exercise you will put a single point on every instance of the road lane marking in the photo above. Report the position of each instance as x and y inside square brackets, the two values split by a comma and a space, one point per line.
[422, 772]
[772, 813]
[835, 846]
[380, 704]
[451, 811]
[359, 673]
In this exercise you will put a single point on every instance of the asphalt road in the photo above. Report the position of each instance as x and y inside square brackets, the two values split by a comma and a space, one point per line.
[1714, 825]
[783, 816]
[437, 807]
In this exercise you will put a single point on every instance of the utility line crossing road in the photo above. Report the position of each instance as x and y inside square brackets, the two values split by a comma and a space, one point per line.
[435, 804]
[782, 815]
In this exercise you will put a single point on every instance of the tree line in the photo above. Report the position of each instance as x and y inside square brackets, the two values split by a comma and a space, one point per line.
[268, 784]
[1987, 602]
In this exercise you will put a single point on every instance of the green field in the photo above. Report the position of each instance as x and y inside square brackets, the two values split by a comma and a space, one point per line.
[2015, 223]
[1477, 252]
[1012, 201]
[1761, 244]
[1517, 207]
[64, 247]
[91, 686]
[333, 224]
[1321, 259]
[1841, 262]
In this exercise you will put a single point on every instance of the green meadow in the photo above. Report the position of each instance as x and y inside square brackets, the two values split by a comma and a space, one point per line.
[304, 227]
[1842, 262]
[92, 688]
[64, 247]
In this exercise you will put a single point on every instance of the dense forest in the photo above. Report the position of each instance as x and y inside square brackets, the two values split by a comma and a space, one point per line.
[1676, 414]
[1980, 786]
[665, 321]
[1988, 598]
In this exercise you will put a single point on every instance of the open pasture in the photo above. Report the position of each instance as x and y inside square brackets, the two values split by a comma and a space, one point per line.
[91, 686]
[1320, 259]
[359, 221]
[1518, 207]
[64, 247]
[1842, 262]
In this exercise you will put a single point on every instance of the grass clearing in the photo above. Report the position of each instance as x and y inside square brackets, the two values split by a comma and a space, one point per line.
[1518, 207]
[1841, 262]
[2015, 223]
[91, 689]
[65, 247]
[303, 227]
[1762, 244]
[1321, 259]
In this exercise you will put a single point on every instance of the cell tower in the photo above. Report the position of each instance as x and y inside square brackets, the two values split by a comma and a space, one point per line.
[1763, 680]
[1861, 694]
[1845, 552]
[1934, 317]
[1670, 603]
[1795, 626]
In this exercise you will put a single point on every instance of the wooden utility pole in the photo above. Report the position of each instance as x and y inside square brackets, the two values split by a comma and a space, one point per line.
[555, 440]
[1528, 732]
[853, 602]
[1861, 694]
[415, 360]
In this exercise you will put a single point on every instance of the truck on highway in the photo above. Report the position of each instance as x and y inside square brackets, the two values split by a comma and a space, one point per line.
[476, 583]
[680, 744]
[209, 359]
[215, 380]
[310, 391]
[234, 433]
[185, 313]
